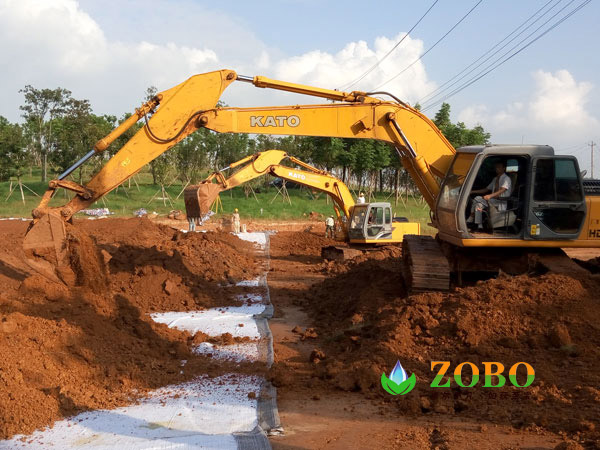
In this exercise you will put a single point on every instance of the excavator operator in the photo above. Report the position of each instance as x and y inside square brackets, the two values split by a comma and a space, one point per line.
[500, 187]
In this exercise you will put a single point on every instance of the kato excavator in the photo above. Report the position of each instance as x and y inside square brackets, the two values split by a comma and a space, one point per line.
[365, 223]
[550, 206]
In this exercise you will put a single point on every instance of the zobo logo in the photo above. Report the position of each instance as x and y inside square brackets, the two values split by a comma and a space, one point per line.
[399, 384]
[274, 121]
[492, 372]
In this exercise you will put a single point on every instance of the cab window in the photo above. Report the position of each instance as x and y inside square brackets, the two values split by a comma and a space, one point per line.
[455, 179]
[375, 223]
[556, 180]
[358, 217]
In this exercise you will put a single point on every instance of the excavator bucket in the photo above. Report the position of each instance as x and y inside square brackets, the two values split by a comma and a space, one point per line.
[46, 248]
[199, 198]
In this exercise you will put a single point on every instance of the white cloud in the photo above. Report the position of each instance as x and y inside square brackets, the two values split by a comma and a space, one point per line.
[554, 114]
[560, 101]
[49, 44]
[58, 43]
[339, 69]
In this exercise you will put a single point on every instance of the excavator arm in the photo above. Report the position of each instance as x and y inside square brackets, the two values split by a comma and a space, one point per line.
[199, 198]
[183, 109]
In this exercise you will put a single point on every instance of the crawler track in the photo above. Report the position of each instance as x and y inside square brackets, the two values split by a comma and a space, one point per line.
[425, 266]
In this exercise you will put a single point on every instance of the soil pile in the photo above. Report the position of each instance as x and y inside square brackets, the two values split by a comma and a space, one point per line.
[551, 322]
[94, 345]
[306, 243]
[161, 269]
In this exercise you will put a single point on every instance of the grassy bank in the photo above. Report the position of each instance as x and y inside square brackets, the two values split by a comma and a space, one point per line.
[266, 205]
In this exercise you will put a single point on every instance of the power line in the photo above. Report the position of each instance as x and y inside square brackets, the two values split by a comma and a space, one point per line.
[433, 102]
[430, 48]
[573, 148]
[374, 66]
[440, 88]
[497, 64]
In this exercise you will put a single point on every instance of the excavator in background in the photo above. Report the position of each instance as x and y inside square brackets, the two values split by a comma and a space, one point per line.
[550, 206]
[365, 223]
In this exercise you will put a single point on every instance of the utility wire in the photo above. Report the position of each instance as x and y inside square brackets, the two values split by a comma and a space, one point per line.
[496, 64]
[374, 66]
[572, 147]
[441, 87]
[430, 48]
[431, 101]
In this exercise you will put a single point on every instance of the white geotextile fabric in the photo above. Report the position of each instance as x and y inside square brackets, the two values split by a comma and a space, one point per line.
[258, 238]
[237, 320]
[202, 414]
[199, 414]
[245, 352]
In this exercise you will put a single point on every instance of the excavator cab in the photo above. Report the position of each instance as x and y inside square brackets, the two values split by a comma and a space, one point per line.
[546, 200]
[374, 223]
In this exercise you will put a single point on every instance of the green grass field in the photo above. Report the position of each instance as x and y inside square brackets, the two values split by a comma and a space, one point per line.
[125, 200]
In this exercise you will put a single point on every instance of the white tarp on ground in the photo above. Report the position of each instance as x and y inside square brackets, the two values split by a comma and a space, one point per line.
[200, 414]
[203, 414]
[237, 320]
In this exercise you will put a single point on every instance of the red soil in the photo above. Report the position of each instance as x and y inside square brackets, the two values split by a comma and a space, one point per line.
[94, 345]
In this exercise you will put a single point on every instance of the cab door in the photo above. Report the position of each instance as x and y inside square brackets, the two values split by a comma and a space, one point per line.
[379, 223]
[557, 207]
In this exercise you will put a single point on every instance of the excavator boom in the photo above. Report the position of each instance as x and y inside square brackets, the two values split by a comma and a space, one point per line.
[177, 112]
[199, 198]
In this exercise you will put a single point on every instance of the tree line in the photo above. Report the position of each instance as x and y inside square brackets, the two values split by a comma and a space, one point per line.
[58, 129]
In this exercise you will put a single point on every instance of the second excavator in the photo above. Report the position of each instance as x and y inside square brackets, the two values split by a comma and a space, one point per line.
[366, 223]
[549, 205]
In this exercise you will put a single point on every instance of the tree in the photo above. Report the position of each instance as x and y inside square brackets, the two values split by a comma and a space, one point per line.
[458, 134]
[191, 157]
[41, 107]
[14, 157]
[442, 117]
[381, 160]
[76, 132]
[364, 159]
[345, 158]
[325, 151]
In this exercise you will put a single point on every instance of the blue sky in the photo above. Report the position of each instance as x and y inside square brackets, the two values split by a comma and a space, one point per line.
[110, 51]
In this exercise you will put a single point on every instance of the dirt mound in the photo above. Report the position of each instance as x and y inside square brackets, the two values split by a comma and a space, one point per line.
[85, 260]
[63, 352]
[94, 345]
[305, 243]
[161, 269]
[551, 322]
[593, 265]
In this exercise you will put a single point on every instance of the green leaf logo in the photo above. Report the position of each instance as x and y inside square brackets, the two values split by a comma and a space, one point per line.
[398, 383]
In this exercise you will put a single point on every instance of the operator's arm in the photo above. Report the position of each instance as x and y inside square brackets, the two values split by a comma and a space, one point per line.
[480, 191]
[485, 190]
[504, 185]
[498, 193]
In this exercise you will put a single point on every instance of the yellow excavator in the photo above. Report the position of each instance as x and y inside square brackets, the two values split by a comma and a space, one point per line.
[550, 205]
[364, 223]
